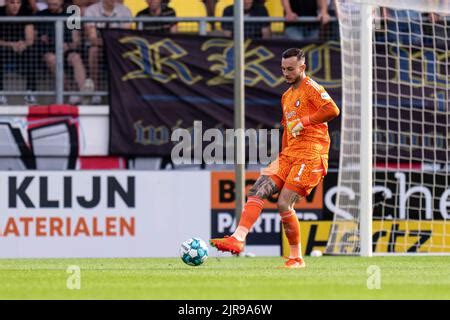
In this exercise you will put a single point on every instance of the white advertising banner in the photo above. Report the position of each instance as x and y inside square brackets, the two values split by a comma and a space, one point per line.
[45, 214]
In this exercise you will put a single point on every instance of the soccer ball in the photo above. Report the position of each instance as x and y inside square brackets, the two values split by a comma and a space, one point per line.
[194, 252]
[316, 253]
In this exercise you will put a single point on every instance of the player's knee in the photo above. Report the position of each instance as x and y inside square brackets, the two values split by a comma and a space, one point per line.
[283, 204]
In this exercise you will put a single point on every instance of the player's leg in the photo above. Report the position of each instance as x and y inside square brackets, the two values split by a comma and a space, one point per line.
[29, 60]
[6, 56]
[93, 63]
[304, 176]
[50, 62]
[79, 72]
[264, 187]
[269, 183]
[286, 203]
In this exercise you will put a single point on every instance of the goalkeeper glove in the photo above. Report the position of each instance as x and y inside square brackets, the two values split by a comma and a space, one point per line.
[295, 127]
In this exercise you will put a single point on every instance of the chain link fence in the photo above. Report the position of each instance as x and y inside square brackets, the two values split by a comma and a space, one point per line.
[55, 60]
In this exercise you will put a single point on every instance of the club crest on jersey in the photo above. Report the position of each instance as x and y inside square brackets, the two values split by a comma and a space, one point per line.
[297, 103]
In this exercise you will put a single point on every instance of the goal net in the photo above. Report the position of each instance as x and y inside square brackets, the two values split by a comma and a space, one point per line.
[394, 182]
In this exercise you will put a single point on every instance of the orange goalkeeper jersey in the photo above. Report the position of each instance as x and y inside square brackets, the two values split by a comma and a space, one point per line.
[314, 107]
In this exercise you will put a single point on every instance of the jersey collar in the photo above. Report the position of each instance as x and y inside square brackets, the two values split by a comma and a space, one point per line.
[302, 84]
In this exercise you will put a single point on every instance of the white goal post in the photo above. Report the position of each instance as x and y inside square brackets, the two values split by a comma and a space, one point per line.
[394, 173]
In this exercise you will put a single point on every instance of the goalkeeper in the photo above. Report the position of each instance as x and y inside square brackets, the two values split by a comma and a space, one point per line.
[302, 163]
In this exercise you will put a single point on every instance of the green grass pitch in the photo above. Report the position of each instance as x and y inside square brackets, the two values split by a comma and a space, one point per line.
[227, 278]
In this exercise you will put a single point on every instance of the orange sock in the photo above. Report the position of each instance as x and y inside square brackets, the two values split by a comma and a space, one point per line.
[292, 231]
[250, 214]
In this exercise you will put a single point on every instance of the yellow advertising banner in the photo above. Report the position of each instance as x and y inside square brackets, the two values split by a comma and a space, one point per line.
[411, 236]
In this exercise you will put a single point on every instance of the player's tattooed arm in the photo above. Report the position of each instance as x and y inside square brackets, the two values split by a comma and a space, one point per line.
[263, 188]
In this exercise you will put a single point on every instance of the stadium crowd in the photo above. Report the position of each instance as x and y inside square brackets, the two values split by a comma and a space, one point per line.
[25, 47]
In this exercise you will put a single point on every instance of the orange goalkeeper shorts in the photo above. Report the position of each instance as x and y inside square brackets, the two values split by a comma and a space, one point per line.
[296, 174]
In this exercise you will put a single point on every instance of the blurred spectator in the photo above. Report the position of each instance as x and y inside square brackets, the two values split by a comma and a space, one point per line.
[16, 41]
[251, 30]
[83, 4]
[41, 5]
[33, 6]
[108, 9]
[72, 44]
[330, 31]
[436, 30]
[210, 7]
[157, 9]
[29, 6]
[294, 9]
[441, 20]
